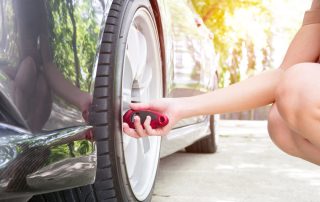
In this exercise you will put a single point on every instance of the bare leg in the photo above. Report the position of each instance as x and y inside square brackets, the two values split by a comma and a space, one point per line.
[41, 104]
[298, 101]
[289, 141]
[24, 85]
[32, 95]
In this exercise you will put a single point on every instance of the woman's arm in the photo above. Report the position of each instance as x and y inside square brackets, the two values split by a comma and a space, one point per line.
[315, 5]
[251, 93]
[305, 47]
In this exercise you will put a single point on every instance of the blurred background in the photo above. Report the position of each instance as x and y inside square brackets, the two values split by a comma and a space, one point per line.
[250, 36]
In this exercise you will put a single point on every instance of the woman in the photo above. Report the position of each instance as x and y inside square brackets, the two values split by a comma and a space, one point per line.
[293, 89]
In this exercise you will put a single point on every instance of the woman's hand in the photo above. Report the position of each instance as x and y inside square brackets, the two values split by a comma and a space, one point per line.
[166, 106]
[84, 102]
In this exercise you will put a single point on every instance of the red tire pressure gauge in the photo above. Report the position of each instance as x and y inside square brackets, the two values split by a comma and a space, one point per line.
[157, 120]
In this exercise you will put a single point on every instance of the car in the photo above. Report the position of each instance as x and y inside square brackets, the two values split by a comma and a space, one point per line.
[69, 70]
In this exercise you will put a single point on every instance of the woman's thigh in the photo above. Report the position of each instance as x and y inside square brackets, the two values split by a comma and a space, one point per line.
[24, 85]
[294, 121]
[298, 100]
[42, 104]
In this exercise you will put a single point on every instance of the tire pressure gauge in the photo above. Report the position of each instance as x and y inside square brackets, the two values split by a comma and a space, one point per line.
[157, 120]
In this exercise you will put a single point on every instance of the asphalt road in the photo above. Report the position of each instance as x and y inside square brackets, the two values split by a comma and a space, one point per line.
[246, 168]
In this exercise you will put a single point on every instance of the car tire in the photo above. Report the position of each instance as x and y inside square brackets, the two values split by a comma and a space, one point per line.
[115, 176]
[206, 144]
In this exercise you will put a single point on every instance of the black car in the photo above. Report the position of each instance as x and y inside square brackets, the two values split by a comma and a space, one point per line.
[68, 71]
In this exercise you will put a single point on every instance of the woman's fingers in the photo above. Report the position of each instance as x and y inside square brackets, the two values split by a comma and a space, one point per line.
[129, 131]
[139, 129]
[148, 127]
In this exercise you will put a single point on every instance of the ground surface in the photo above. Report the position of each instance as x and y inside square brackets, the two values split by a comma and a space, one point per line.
[247, 168]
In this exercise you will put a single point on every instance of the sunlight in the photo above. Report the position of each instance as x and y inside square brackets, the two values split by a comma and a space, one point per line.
[251, 36]
[286, 19]
[289, 16]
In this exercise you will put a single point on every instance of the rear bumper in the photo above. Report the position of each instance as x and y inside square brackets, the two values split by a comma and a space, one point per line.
[32, 164]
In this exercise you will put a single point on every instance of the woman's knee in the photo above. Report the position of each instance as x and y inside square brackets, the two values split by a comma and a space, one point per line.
[280, 134]
[42, 87]
[26, 74]
[298, 95]
[274, 125]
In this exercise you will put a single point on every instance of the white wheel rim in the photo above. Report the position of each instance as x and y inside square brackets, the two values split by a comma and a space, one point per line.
[142, 81]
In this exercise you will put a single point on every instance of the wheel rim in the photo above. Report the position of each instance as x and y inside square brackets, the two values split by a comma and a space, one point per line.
[142, 81]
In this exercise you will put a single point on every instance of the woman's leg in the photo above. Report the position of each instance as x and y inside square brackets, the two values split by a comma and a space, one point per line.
[294, 121]
[41, 104]
[289, 141]
[24, 85]
[32, 95]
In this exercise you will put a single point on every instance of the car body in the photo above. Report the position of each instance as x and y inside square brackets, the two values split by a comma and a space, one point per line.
[46, 142]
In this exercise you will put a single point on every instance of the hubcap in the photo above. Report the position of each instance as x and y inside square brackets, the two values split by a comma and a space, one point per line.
[142, 81]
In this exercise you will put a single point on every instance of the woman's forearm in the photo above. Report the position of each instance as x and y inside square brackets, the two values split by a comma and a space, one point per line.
[251, 93]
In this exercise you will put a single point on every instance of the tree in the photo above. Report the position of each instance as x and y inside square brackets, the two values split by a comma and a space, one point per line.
[70, 7]
[238, 50]
[75, 29]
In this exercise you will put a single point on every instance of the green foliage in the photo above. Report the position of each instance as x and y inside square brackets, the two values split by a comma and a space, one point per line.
[239, 51]
[75, 149]
[8, 39]
[74, 35]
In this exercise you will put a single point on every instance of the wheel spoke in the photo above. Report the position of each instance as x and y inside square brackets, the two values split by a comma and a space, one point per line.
[146, 144]
[137, 51]
[127, 84]
[131, 149]
[144, 80]
[129, 69]
[141, 70]
[139, 165]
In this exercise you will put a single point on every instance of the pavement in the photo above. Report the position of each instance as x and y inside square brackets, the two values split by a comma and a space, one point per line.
[248, 167]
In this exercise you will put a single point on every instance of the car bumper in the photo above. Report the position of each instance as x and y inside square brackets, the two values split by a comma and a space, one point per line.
[31, 164]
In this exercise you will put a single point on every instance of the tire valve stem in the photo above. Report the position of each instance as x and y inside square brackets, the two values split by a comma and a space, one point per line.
[158, 120]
